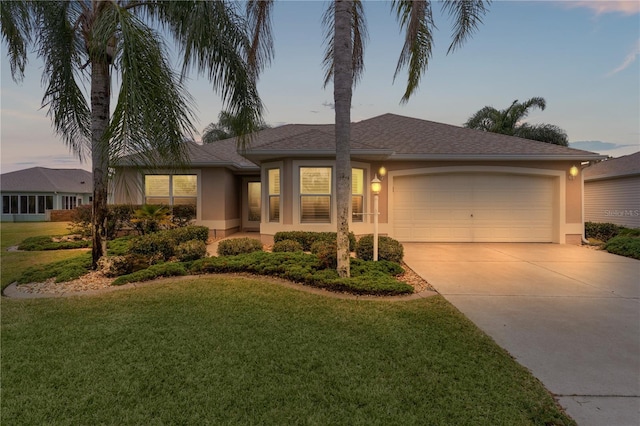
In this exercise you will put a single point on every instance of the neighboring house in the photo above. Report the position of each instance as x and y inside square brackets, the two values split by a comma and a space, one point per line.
[612, 191]
[443, 183]
[31, 194]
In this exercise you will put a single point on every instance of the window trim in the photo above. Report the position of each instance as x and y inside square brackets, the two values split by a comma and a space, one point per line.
[171, 196]
[278, 165]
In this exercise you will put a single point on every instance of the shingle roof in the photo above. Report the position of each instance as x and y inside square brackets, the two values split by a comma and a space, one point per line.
[42, 179]
[404, 138]
[627, 165]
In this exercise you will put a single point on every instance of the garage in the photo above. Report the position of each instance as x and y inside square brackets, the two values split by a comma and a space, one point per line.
[473, 207]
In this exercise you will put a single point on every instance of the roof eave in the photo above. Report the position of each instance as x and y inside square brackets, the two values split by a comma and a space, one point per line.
[497, 157]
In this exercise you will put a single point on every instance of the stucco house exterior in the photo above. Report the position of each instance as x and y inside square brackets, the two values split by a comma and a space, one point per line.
[31, 194]
[443, 183]
[612, 191]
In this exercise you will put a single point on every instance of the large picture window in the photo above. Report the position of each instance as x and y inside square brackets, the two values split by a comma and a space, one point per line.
[26, 204]
[357, 195]
[273, 176]
[315, 194]
[171, 189]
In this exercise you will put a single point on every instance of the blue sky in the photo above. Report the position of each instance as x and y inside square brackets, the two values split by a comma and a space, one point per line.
[581, 56]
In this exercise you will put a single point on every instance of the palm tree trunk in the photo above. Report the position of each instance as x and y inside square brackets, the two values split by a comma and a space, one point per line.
[342, 91]
[100, 98]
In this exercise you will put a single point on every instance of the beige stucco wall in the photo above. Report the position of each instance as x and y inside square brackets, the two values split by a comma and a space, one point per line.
[568, 192]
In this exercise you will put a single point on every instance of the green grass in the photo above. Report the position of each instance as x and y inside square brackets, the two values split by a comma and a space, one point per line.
[220, 350]
[14, 263]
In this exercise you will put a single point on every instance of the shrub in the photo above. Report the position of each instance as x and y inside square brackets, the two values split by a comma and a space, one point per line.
[289, 246]
[306, 239]
[182, 214]
[150, 218]
[81, 220]
[388, 248]
[188, 233]
[234, 246]
[47, 243]
[118, 216]
[158, 244]
[601, 231]
[371, 277]
[63, 270]
[624, 245]
[191, 250]
[327, 253]
[629, 232]
[169, 269]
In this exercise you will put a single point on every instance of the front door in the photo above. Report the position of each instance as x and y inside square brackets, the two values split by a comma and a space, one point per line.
[251, 204]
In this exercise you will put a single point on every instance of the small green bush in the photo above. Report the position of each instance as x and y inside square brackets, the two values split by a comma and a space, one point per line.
[629, 232]
[601, 231]
[47, 243]
[370, 277]
[62, 271]
[182, 214]
[158, 244]
[624, 246]
[169, 269]
[388, 249]
[115, 266]
[188, 233]
[306, 239]
[327, 252]
[288, 246]
[235, 246]
[191, 250]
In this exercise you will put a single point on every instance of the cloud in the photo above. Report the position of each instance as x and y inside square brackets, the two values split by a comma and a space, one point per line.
[596, 145]
[600, 7]
[628, 60]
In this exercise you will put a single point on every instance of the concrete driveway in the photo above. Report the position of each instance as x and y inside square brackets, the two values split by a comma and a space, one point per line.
[569, 314]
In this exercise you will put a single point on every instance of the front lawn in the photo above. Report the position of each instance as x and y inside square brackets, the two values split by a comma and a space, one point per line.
[235, 350]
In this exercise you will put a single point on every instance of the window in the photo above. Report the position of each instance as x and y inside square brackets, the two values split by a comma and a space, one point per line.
[253, 195]
[69, 202]
[6, 204]
[315, 194]
[273, 176]
[171, 189]
[357, 195]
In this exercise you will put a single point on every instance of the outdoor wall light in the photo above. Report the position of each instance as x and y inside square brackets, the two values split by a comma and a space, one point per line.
[382, 172]
[573, 172]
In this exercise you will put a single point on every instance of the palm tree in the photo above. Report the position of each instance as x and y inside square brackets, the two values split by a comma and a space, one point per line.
[227, 127]
[91, 40]
[345, 33]
[509, 122]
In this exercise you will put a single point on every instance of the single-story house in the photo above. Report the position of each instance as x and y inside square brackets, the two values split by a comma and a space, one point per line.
[612, 191]
[443, 183]
[31, 194]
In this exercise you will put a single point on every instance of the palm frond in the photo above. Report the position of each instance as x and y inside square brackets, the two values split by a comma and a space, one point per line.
[544, 133]
[214, 42]
[15, 26]
[359, 37]
[416, 18]
[467, 16]
[153, 112]
[487, 119]
[62, 53]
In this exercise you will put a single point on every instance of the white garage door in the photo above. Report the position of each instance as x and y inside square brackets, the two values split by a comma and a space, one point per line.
[474, 207]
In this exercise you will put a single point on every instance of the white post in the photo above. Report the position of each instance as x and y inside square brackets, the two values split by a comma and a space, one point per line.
[375, 227]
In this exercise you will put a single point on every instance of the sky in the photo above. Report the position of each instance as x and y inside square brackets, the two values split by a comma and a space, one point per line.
[582, 57]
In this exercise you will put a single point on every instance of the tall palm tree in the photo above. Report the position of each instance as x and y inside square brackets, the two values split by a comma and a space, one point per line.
[509, 122]
[228, 126]
[345, 34]
[92, 40]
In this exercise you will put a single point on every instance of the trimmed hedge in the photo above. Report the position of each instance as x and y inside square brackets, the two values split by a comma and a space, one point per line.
[169, 269]
[47, 243]
[628, 246]
[306, 239]
[327, 252]
[234, 246]
[367, 277]
[388, 248]
[286, 246]
[601, 231]
[162, 245]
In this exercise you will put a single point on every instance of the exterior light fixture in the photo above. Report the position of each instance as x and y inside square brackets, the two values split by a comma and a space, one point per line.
[382, 172]
[376, 186]
[573, 172]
